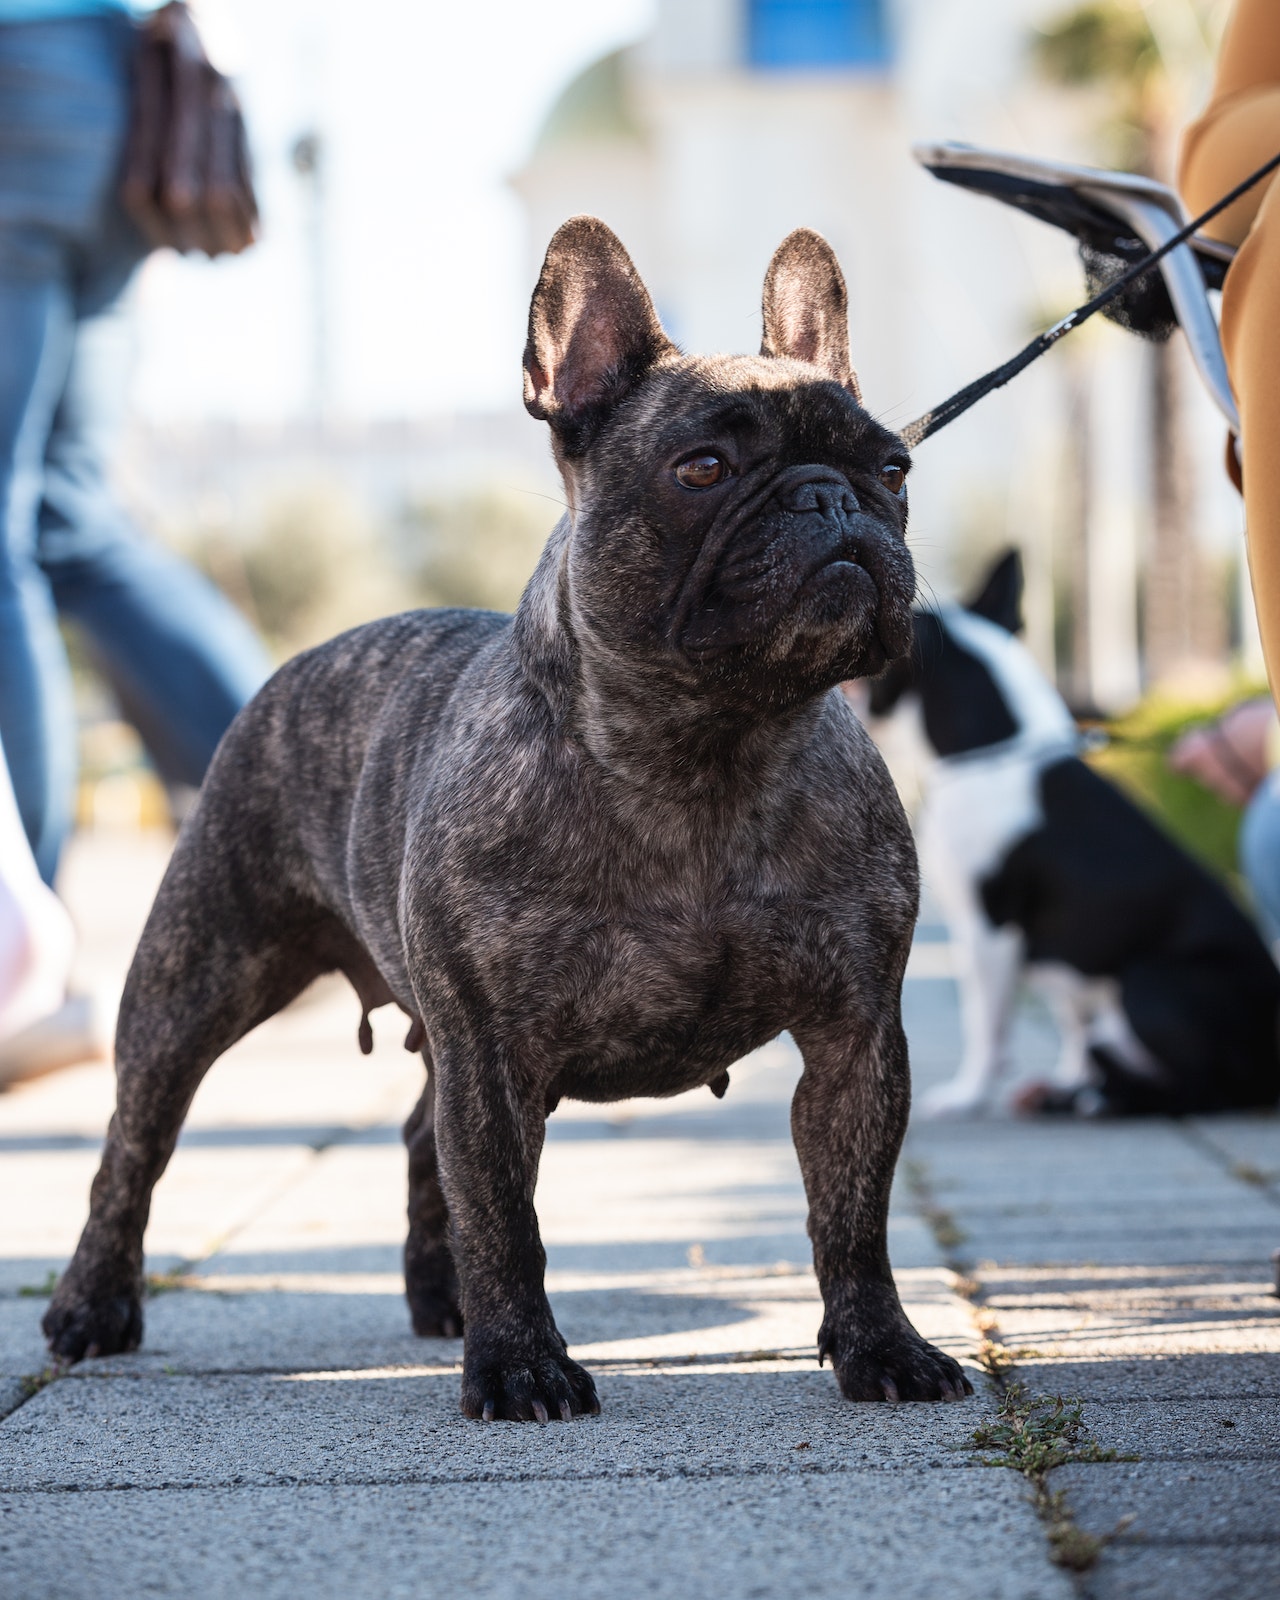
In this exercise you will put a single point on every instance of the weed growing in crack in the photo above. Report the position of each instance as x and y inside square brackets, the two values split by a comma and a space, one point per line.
[31, 1383]
[158, 1283]
[995, 1358]
[1069, 1545]
[947, 1232]
[1033, 1434]
[39, 1291]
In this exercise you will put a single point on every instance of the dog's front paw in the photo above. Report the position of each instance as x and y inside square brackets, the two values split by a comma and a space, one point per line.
[527, 1386]
[897, 1365]
[78, 1325]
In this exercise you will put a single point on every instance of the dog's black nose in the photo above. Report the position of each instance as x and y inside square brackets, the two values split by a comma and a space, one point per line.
[821, 495]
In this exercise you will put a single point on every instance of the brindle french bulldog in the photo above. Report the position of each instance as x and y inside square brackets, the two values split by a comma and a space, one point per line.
[599, 849]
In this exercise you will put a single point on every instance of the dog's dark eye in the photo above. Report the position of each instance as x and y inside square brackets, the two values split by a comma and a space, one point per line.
[701, 472]
[893, 478]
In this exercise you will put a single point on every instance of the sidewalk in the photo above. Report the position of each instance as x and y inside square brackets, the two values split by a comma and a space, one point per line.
[282, 1432]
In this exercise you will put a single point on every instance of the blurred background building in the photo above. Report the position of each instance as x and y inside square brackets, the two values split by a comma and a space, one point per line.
[332, 424]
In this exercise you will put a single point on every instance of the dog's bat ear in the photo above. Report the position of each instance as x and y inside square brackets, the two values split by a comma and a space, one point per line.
[806, 308]
[1000, 598]
[593, 331]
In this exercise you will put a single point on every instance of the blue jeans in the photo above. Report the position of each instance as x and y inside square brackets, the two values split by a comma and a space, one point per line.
[1260, 855]
[181, 659]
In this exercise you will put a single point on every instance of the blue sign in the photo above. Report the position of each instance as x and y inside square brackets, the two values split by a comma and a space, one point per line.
[818, 33]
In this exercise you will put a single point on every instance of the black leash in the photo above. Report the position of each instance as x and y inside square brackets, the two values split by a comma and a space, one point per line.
[924, 427]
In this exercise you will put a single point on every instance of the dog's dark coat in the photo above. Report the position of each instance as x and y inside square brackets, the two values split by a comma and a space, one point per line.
[601, 849]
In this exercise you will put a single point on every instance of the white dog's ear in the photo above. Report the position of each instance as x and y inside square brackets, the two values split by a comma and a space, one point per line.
[593, 331]
[806, 308]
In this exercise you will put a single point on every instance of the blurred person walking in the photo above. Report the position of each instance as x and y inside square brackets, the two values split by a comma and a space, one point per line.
[181, 658]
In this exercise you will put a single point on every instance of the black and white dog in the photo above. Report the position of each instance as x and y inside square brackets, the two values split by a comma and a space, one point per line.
[1165, 995]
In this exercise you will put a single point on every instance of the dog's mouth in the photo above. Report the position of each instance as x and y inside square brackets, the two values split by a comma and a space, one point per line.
[857, 568]
[847, 553]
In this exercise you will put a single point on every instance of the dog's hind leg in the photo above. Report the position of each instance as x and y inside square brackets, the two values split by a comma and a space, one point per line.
[430, 1276]
[214, 961]
[1076, 1003]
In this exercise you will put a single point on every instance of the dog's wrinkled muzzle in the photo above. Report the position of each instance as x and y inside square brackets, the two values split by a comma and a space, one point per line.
[843, 533]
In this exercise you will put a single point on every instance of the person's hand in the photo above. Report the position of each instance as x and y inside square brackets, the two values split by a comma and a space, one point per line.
[1229, 756]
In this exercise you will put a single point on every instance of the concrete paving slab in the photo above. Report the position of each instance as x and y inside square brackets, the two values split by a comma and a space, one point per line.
[349, 1195]
[1220, 1376]
[65, 1110]
[1217, 1216]
[1140, 1288]
[1214, 1572]
[1107, 1313]
[204, 1196]
[364, 1426]
[906, 1535]
[979, 1154]
[1174, 1430]
[318, 1077]
[1250, 1146]
[1204, 1429]
[1066, 1186]
[1240, 1254]
[43, 1202]
[22, 1346]
[13, 1393]
[738, 1201]
[1173, 1503]
[1225, 1341]
[931, 1011]
[1072, 1243]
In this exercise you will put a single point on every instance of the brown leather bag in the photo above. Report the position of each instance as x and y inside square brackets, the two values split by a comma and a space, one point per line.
[187, 181]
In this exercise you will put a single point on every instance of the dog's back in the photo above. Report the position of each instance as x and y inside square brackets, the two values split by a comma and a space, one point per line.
[334, 718]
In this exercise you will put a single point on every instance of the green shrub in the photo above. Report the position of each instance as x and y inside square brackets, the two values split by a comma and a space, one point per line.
[1136, 758]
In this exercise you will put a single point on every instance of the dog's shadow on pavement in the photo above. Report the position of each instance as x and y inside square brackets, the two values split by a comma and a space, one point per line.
[227, 1327]
[592, 1316]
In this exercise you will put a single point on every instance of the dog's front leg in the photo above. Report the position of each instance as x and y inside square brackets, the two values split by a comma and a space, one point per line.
[489, 1138]
[848, 1117]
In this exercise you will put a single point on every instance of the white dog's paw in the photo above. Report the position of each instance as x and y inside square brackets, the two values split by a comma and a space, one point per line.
[954, 1099]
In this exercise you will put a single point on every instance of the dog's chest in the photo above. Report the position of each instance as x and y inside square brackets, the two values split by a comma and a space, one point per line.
[663, 995]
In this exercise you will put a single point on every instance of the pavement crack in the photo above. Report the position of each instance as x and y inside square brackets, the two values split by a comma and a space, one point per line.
[30, 1384]
[667, 1474]
[1033, 1435]
[1266, 1184]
